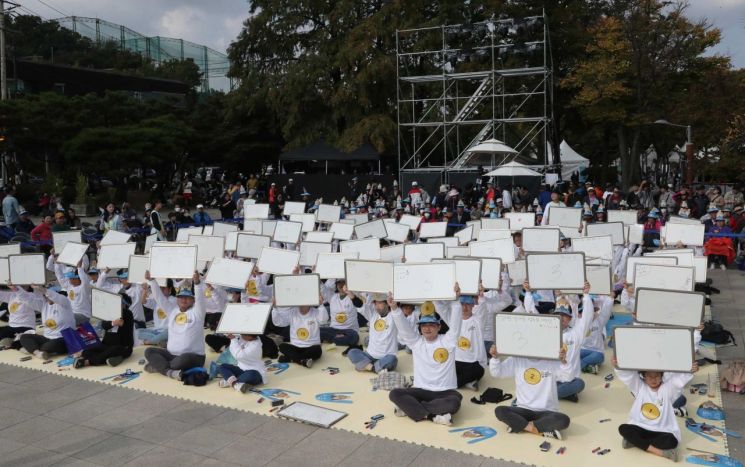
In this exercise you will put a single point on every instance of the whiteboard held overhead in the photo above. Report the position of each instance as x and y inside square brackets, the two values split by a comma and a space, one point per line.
[255, 211]
[656, 276]
[176, 262]
[556, 270]
[183, 233]
[328, 213]
[518, 273]
[278, 261]
[669, 307]
[632, 261]
[372, 229]
[4, 272]
[309, 252]
[244, 318]
[105, 306]
[369, 276]
[537, 240]
[433, 229]
[493, 234]
[393, 254]
[319, 237]
[423, 252]
[138, 266]
[520, 220]
[420, 282]
[231, 273]
[331, 265]
[27, 269]
[527, 335]
[293, 207]
[113, 237]
[297, 290]
[11, 249]
[615, 229]
[503, 249]
[308, 221]
[397, 232]
[565, 217]
[464, 235]
[115, 256]
[72, 253]
[368, 248]
[412, 221]
[467, 274]
[221, 229]
[60, 239]
[639, 348]
[250, 245]
[595, 247]
[625, 217]
[287, 232]
[209, 247]
[342, 231]
[495, 224]
[687, 234]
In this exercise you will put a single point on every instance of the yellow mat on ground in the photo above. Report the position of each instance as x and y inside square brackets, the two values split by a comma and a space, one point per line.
[585, 433]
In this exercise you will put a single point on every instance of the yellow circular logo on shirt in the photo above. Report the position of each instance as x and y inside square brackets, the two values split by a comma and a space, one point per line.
[650, 411]
[341, 317]
[181, 318]
[463, 343]
[532, 376]
[50, 323]
[302, 334]
[428, 308]
[13, 307]
[379, 325]
[207, 293]
[71, 295]
[251, 288]
[161, 313]
[440, 355]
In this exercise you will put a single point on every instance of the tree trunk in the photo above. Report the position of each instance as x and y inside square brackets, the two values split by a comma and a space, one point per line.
[623, 157]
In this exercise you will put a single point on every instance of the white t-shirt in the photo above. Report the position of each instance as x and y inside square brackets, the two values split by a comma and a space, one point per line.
[572, 339]
[594, 339]
[185, 329]
[305, 329]
[248, 355]
[342, 313]
[535, 381]
[21, 313]
[383, 333]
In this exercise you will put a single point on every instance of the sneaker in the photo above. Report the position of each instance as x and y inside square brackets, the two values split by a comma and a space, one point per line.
[308, 363]
[555, 434]
[681, 412]
[473, 386]
[79, 362]
[626, 444]
[711, 266]
[383, 371]
[245, 388]
[723, 268]
[149, 368]
[572, 398]
[239, 387]
[223, 383]
[508, 429]
[7, 342]
[398, 412]
[24, 351]
[114, 361]
[41, 355]
[283, 359]
[444, 419]
[594, 369]
[671, 454]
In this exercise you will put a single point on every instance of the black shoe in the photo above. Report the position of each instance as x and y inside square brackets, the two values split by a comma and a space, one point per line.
[572, 398]
[283, 359]
[114, 361]
[359, 347]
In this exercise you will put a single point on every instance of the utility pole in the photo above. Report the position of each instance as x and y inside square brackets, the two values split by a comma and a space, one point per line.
[3, 69]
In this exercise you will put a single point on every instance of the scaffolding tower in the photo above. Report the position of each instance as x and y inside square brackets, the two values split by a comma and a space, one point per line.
[458, 85]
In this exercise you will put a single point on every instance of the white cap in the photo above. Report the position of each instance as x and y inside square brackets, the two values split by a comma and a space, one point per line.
[200, 206]
[414, 183]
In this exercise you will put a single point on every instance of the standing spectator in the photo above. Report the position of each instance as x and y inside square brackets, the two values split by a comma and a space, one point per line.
[289, 190]
[273, 194]
[110, 219]
[699, 202]
[666, 196]
[415, 195]
[716, 198]
[187, 191]
[11, 208]
[734, 197]
[252, 183]
[544, 196]
[646, 195]
[507, 198]
[227, 207]
[156, 222]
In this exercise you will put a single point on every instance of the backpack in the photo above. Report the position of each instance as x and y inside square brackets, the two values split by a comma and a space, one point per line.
[715, 333]
[196, 376]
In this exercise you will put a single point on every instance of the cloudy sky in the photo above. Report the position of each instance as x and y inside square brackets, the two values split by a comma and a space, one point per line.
[216, 23]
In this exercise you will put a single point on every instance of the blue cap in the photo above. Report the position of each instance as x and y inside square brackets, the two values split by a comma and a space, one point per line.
[467, 300]
[234, 290]
[93, 271]
[428, 319]
[185, 293]
[712, 209]
[601, 209]
[577, 204]
[719, 218]
[563, 310]
[71, 275]
[587, 213]
[123, 275]
[653, 215]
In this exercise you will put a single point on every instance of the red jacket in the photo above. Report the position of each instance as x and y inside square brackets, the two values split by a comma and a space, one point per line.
[41, 232]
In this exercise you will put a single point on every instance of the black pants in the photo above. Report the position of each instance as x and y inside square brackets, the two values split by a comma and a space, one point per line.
[717, 260]
[517, 418]
[272, 328]
[643, 438]
[468, 372]
[297, 354]
[219, 342]
[418, 403]
[98, 355]
[34, 342]
[211, 320]
[162, 360]
[10, 331]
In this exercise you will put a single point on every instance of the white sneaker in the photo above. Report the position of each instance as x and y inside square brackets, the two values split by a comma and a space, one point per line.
[398, 412]
[41, 355]
[444, 419]
[722, 267]
[383, 371]
[7, 342]
[223, 383]
[711, 266]
[555, 434]
[473, 386]
[238, 387]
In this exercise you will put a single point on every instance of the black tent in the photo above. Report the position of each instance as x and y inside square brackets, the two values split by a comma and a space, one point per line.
[322, 152]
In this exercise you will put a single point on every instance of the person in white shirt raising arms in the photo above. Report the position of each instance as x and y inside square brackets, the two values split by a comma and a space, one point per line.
[380, 354]
[305, 333]
[433, 396]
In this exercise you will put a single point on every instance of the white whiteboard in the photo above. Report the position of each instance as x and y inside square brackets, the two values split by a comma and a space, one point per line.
[278, 261]
[467, 274]
[476, 227]
[209, 247]
[491, 272]
[433, 229]
[374, 229]
[250, 245]
[687, 234]
[149, 241]
[231, 240]
[503, 249]
[520, 220]
[685, 256]
[267, 228]
[625, 217]
[328, 213]
[565, 217]
[368, 248]
[614, 229]
[493, 234]
[308, 221]
[357, 218]
[138, 265]
[253, 225]
[656, 276]
[10, 249]
[556, 270]
[230, 273]
[4, 271]
[176, 262]
[311, 414]
[669, 307]
[61, 238]
[221, 229]
[71, 254]
[115, 256]
[635, 234]
[447, 241]
[464, 235]
[393, 254]
[106, 306]
[293, 207]
[208, 229]
[682, 220]
[297, 290]
[517, 272]
[600, 279]
[341, 231]
[412, 221]
[113, 237]
[319, 237]
[453, 251]
[653, 348]
[183, 234]
[287, 231]
[488, 223]
[541, 240]
[423, 252]
[369, 276]
[331, 265]
[700, 263]
[527, 335]
[255, 211]
[632, 261]
[397, 232]
[420, 282]
[27, 269]
[595, 247]
[309, 252]
[244, 318]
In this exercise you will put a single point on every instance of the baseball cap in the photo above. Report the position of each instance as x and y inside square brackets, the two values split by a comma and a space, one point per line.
[379, 297]
[200, 206]
[428, 319]
[71, 275]
[563, 310]
[467, 300]
[185, 293]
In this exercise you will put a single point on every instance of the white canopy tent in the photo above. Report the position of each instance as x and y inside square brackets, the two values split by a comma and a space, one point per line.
[571, 161]
[513, 169]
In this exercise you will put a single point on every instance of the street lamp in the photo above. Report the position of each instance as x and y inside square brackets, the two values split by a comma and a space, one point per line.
[689, 147]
